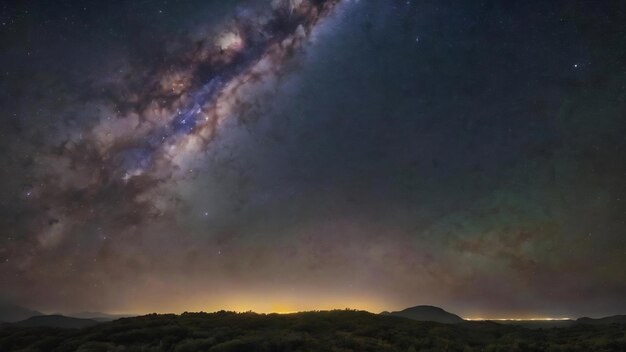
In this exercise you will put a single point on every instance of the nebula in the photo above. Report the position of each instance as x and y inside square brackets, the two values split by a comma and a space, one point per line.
[171, 121]
[112, 179]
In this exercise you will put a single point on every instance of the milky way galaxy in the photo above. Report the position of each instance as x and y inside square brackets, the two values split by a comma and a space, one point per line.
[283, 155]
[111, 180]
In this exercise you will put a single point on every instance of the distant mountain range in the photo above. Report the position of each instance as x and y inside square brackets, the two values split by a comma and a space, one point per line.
[15, 315]
[55, 321]
[547, 324]
[10, 313]
[19, 316]
[438, 315]
[538, 324]
[427, 313]
[98, 316]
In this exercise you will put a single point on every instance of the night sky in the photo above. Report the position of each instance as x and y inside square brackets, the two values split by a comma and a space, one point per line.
[270, 155]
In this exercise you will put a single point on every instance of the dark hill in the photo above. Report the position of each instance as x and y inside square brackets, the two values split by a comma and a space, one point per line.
[11, 313]
[55, 321]
[97, 316]
[615, 319]
[427, 313]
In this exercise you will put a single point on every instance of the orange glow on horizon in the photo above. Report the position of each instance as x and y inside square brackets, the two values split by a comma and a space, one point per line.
[260, 302]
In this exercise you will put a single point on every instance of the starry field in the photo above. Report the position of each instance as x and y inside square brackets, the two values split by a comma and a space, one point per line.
[292, 155]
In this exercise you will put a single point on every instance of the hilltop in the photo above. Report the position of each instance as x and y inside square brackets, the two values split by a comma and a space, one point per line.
[427, 313]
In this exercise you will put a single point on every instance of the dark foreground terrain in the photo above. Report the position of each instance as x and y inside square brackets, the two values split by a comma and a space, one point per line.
[312, 331]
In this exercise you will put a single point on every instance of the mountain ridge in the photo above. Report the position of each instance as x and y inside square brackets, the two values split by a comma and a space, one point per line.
[613, 319]
[97, 316]
[10, 313]
[54, 321]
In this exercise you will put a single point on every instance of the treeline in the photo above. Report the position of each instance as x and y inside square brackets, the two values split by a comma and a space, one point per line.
[341, 330]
